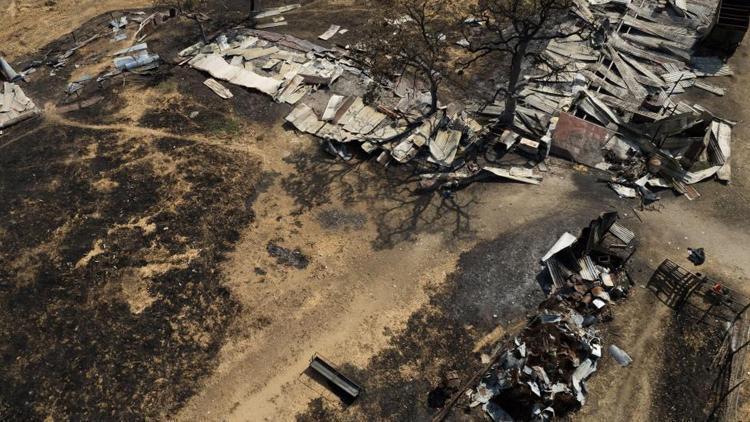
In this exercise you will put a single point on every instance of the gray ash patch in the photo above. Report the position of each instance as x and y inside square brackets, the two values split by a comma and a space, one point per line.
[336, 219]
[288, 257]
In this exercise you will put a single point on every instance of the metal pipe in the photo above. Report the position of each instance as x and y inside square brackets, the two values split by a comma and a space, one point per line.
[8, 72]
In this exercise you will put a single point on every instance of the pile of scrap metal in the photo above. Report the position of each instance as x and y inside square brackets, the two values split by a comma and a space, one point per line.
[541, 376]
[328, 91]
[135, 59]
[15, 106]
[611, 106]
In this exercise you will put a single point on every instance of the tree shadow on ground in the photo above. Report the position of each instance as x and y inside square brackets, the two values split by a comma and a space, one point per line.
[399, 209]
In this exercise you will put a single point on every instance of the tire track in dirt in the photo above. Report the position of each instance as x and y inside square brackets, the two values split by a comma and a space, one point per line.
[51, 116]
[17, 138]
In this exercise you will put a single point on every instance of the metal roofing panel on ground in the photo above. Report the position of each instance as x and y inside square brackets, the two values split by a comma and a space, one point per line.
[622, 232]
[579, 140]
[304, 119]
[217, 67]
[444, 147]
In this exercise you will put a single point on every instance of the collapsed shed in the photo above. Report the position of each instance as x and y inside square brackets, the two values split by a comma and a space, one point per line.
[542, 374]
[612, 106]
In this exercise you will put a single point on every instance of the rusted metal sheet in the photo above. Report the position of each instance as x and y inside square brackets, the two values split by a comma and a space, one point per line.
[579, 140]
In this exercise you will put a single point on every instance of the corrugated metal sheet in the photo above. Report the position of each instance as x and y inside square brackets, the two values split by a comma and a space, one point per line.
[622, 233]
[588, 269]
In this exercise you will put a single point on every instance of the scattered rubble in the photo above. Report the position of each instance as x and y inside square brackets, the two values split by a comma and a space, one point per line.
[135, 59]
[609, 108]
[614, 114]
[121, 29]
[542, 375]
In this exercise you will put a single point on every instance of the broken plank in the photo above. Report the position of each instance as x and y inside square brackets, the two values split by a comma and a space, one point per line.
[332, 30]
[625, 47]
[644, 70]
[218, 88]
[659, 44]
[515, 173]
[628, 75]
[603, 84]
[276, 11]
[668, 32]
[607, 73]
[627, 106]
[710, 88]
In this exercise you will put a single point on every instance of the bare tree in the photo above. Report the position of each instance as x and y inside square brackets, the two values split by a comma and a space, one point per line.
[516, 29]
[410, 37]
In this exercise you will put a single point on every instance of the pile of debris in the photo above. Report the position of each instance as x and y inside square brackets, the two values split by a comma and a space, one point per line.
[15, 106]
[136, 59]
[293, 71]
[134, 25]
[542, 375]
[606, 102]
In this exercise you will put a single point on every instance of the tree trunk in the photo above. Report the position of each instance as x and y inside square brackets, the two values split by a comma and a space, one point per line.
[515, 75]
[433, 95]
